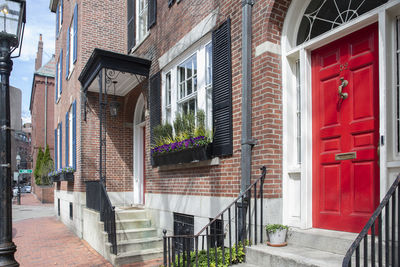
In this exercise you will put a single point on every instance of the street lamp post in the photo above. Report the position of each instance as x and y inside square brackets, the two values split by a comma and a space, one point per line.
[18, 158]
[12, 23]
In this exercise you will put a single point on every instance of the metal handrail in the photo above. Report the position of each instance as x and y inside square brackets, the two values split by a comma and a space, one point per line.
[97, 199]
[243, 200]
[391, 255]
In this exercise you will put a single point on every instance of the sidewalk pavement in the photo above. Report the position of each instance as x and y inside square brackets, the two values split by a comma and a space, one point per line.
[42, 240]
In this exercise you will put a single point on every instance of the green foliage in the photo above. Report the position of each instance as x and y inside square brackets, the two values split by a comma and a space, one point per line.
[44, 165]
[185, 126]
[36, 171]
[163, 133]
[202, 257]
[272, 228]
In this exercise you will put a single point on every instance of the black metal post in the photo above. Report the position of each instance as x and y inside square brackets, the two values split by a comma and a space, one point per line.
[7, 247]
[19, 188]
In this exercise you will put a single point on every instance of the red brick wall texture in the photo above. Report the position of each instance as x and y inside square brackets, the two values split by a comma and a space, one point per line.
[104, 27]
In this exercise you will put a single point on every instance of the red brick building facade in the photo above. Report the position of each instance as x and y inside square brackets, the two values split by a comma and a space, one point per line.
[175, 34]
[42, 111]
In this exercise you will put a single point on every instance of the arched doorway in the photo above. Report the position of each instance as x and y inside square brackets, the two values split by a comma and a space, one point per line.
[312, 32]
[139, 145]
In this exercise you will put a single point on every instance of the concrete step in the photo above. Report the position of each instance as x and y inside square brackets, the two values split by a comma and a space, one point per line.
[139, 244]
[291, 255]
[136, 256]
[130, 214]
[132, 224]
[123, 235]
[326, 240]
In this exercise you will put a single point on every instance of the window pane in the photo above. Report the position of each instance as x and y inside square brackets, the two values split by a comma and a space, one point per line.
[189, 86]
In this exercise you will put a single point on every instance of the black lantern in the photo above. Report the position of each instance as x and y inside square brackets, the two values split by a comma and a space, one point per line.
[12, 24]
[114, 104]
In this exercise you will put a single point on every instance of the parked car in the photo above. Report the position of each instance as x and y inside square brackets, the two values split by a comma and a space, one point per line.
[15, 191]
[28, 188]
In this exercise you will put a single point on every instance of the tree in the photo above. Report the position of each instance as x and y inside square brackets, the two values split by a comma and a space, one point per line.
[36, 172]
[46, 167]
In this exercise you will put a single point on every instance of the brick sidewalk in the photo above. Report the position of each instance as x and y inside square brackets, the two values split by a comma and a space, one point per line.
[48, 242]
[30, 200]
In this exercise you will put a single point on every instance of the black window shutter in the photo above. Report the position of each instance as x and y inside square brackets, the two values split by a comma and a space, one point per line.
[155, 103]
[152, 16]
[131, 24]
[222, 90]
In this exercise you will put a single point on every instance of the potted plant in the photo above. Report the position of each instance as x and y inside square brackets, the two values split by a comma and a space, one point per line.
[277, 234]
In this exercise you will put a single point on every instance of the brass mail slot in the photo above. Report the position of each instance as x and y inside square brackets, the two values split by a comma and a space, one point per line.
[344, 156]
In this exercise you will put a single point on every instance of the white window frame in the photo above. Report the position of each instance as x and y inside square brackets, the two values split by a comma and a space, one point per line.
[168, 97]
[70, 138]
[71, 63]
[60, 16]
[59, 147]
[297, 178]
[201, 93]
[59, 77]
[142, 12]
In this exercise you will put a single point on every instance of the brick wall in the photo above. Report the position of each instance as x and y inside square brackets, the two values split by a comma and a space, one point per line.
[173, 23]
[224, 180]
[38, 116]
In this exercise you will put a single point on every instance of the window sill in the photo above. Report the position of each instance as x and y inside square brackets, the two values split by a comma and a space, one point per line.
[195, 164]
[139, 43]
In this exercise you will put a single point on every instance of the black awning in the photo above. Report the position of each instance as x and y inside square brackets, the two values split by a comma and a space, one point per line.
[107, 60]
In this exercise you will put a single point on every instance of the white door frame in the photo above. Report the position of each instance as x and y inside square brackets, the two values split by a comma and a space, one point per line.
[138, 157]
[297, 178]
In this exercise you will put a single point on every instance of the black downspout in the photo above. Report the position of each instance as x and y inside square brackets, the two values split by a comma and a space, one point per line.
[246, 142]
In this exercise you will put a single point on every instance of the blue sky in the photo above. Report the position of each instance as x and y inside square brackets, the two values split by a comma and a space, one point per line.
[39, 20]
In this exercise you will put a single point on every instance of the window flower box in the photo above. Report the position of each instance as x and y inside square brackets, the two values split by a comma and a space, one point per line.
[188, 150]
[182, 156]
[55, 178]
[63, 174]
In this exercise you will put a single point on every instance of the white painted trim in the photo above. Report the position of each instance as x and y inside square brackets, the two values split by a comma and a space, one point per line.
[200, 30]
[268, 47]
[138, 172]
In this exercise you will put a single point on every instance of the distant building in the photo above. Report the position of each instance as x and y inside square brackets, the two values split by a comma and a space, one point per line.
[15, 116]
[42, 106]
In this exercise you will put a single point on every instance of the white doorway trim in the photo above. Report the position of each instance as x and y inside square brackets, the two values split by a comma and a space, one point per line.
[138, 155]
[297, 177]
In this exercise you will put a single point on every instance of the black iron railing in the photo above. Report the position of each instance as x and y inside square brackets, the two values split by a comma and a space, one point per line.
[378, 242]
[97, 199]
[186, 250]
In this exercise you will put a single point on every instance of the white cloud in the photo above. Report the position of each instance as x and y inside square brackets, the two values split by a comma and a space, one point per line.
[31, 39]
[25, 78]
[26, 116]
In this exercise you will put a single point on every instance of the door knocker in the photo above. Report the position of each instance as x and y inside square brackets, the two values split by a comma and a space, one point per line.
[344, 83]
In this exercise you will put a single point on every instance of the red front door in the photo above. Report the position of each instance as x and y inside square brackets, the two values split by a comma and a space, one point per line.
[346, 131]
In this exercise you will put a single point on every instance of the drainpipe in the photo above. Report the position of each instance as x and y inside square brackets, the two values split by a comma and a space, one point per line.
[45, 112]
[247, 142]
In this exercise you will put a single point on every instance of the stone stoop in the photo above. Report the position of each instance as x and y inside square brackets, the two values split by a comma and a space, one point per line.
[306, 248]
[137, 239]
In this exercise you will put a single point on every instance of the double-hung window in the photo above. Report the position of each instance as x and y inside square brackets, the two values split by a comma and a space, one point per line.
[70, 136]
[59, 17]
[72, 44]
[188, 85]
[59, 76]
[58, 146]
[141, 19]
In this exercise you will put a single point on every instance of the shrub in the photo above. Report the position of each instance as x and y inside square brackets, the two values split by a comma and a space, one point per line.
[202, 257]
[36, 172]
[46, 167]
